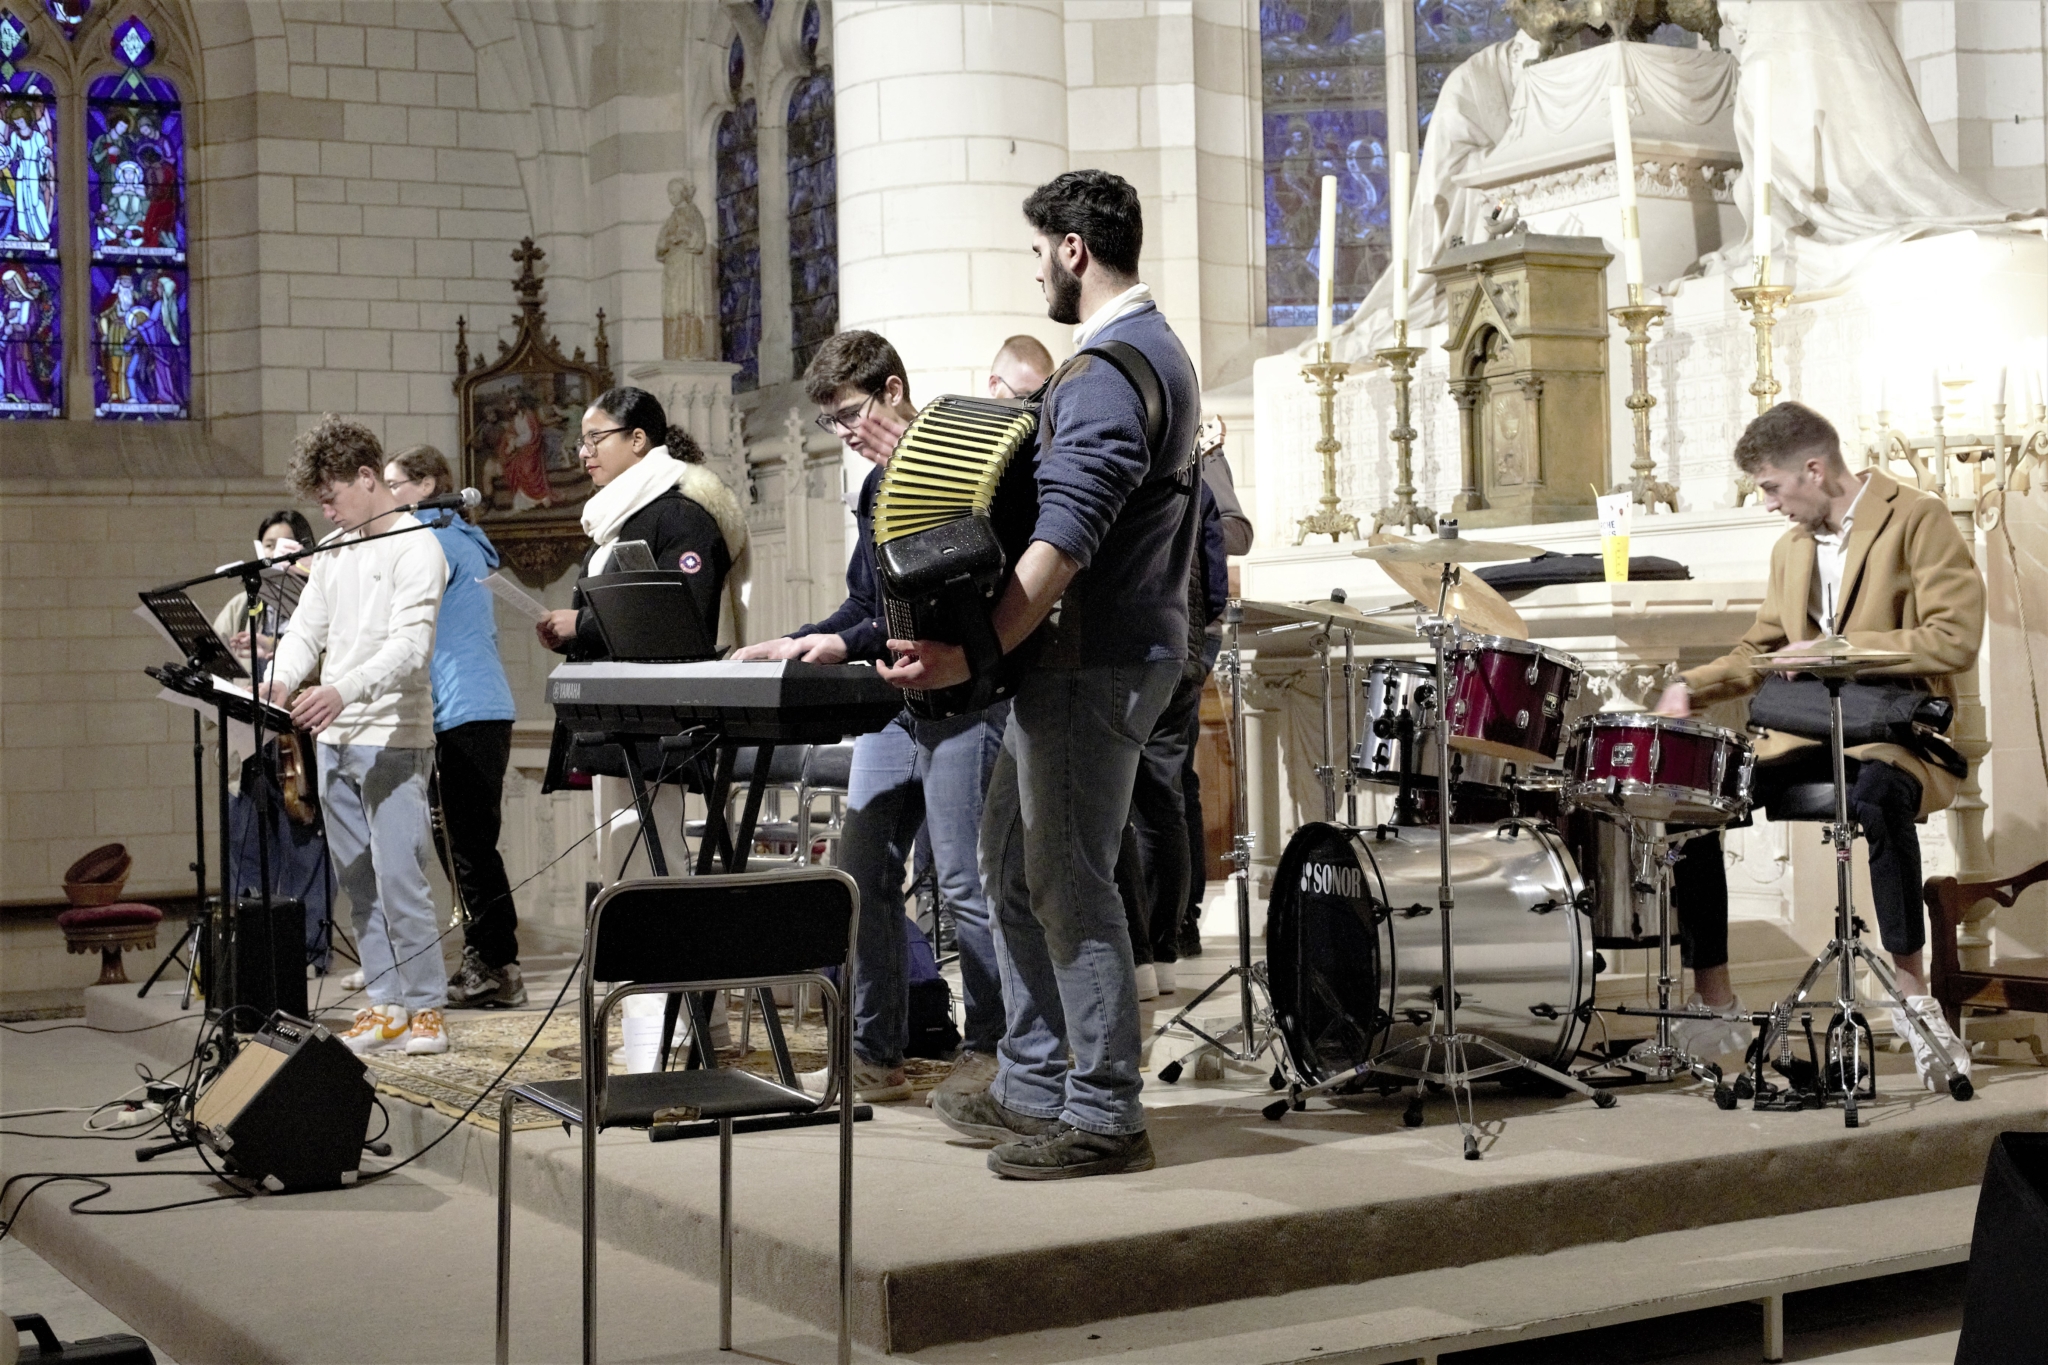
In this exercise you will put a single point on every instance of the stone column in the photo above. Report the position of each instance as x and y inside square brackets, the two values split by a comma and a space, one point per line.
[948, 115]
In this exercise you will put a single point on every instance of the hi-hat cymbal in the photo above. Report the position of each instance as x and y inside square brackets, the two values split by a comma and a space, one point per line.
[1331, 615]
[1472, 599]
[1445, 550]
[1823, 658]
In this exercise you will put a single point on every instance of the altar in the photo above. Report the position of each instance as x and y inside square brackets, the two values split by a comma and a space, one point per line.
[1905, 307]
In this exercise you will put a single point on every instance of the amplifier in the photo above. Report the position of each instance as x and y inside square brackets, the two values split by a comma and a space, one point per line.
[291, 1110]
[254, 961]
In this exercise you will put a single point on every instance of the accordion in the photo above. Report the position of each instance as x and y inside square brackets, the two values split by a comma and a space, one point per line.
[955, 507]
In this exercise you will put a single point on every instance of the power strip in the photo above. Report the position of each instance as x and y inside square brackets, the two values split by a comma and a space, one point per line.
[135, 1115]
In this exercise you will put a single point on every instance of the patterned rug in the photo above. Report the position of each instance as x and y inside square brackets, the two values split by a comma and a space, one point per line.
[480, 1045]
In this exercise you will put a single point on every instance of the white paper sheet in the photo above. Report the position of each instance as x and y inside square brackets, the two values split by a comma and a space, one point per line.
[514, 596]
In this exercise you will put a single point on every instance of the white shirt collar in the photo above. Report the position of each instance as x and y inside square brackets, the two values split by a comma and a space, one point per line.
[1841, 537]
[1109, 312]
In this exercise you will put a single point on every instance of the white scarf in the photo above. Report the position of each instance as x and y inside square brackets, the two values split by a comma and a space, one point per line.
[610, 506]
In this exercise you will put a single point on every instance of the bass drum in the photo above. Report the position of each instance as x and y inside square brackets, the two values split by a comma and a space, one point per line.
[1353, 947]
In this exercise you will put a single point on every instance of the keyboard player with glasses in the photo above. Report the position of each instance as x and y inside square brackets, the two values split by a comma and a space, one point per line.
[912, 771]
[651, 486]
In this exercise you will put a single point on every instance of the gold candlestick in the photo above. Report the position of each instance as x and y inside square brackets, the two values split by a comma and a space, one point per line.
[1762, 302]
[1403, 512]
[1326, 374]
[1644, 488]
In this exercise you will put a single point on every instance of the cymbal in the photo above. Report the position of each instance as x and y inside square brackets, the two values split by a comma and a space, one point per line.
[1388, 549]
[1824, 658]
[1331, 615]
[1472, 600]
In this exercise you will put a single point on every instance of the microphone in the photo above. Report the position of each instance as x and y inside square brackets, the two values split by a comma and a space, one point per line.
[461, 501]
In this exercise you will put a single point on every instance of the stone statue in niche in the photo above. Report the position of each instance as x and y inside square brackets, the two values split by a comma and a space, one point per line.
[687, 329]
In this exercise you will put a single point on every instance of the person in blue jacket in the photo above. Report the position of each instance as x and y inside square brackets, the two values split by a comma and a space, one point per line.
[473, 715]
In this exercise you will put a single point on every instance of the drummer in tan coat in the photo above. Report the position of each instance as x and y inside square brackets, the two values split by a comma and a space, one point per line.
[1886, 567]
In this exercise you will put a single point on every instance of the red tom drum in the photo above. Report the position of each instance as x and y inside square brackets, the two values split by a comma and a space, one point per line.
[1508, 698]
[1680, 771]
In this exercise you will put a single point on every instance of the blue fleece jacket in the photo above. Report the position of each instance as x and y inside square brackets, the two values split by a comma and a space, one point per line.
[468, 676]
[1116, 509]
[858, 620]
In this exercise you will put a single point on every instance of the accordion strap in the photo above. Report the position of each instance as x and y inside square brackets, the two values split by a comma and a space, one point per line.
[1130, 362]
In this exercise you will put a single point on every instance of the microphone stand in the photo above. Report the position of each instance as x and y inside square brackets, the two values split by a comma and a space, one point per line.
[250, 572]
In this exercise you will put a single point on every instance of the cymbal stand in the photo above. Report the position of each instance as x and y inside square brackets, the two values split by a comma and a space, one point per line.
[1845, 1077]
[1350, 730]
[1326, 771]
[1443, 1056]
[1253, 1035]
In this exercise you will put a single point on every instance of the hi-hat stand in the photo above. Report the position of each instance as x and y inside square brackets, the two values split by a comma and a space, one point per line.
[1253, 1035]
[1655, 849]
[1845, 1078]
[1443, 1056]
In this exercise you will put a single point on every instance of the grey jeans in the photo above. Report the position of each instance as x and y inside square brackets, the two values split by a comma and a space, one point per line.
[1049, 836]
[380, 836]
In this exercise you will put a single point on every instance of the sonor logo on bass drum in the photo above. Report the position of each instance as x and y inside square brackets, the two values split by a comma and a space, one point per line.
[1324, 879]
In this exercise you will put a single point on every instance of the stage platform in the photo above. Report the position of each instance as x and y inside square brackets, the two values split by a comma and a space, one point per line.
[955, 1265]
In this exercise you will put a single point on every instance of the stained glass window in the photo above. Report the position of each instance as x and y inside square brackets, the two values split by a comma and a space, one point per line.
[813, 219]
[69, 14]
[135, 194]
[809, 30]
[1323, 82]
[31, 280]
[764, 8]
[739, 243]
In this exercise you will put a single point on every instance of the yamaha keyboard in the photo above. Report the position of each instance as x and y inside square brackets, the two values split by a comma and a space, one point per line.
[742, 703]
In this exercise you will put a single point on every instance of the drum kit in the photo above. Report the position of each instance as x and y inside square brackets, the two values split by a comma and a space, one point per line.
[1456, 941]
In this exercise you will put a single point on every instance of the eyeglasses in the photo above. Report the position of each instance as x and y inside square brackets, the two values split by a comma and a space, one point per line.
[844, 419]
[591, 439]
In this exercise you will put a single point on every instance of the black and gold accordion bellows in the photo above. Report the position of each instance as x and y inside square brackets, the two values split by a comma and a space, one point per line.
[955, 507]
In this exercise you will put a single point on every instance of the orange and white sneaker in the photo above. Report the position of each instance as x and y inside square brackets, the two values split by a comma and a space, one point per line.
[377, 1029]
[429, 1033]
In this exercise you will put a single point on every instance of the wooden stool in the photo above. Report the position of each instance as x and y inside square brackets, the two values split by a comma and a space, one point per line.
[110, 929]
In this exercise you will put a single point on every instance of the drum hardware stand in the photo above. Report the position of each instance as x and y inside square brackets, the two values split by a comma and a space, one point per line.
[1845, 1077]
[1659, 1059]
[1253, 1035]
[1454, 1072]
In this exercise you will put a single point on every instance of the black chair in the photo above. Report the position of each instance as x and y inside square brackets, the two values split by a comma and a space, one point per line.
[683, 934]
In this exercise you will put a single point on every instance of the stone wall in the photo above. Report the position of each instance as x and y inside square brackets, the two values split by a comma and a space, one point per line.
[1980, 67]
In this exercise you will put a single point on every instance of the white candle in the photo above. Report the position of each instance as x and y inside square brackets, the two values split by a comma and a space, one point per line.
[1760, 159]
[1884, 403]
[1326, 260]
[1399, 221]
[1940, 395]
[1998, 390]
[1625, 179]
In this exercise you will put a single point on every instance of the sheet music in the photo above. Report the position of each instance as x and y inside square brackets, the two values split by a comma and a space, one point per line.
[514, 596]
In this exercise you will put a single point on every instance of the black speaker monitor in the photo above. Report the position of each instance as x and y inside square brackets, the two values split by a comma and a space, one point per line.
[257, 961]
[291, 1110]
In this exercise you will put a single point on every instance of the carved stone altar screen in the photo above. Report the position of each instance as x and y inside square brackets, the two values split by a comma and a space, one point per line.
[520, 416]
[1528, 344]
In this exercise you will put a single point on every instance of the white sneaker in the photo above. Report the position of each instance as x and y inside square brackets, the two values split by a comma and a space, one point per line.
[1711, 1039]
[1929, 1010]
[1164, 974]
[426, 1033]
[871, 1084]
[353, 981]
[378, 1029]
[1148, 981]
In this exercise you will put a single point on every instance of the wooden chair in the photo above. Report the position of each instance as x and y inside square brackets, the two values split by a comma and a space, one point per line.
[2011, 983]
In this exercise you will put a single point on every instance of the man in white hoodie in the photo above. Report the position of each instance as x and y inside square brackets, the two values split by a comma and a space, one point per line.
[366, 620]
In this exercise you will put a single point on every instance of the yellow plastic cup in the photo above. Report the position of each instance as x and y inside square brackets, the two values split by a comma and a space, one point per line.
[1615, 509]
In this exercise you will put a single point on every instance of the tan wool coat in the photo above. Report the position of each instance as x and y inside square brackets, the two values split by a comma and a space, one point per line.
[1909, 585]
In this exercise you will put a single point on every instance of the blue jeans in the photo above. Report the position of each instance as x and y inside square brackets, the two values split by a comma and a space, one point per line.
[380, 837]
[1049, 839]
[910, 773]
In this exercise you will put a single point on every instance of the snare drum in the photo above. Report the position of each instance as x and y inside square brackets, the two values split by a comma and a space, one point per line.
[1680, 771]
[1508, 697]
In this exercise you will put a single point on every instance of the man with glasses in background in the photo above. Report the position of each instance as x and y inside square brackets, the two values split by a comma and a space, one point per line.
[912, 772]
